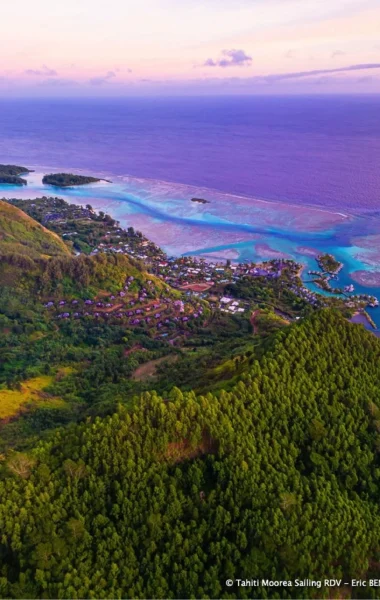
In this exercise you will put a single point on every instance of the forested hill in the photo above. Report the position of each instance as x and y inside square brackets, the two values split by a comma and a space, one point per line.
[278, 478]
[19, 234]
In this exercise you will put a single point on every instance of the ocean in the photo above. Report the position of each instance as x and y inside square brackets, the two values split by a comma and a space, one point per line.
[322, 151]
[290, 176]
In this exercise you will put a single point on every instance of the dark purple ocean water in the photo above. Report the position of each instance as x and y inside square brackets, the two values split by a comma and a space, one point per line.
[321, 151]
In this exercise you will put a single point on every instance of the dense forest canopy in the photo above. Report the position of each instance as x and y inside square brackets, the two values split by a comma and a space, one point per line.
[278, 478]
[131, 466]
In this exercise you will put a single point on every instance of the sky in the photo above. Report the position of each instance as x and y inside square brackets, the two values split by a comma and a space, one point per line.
[188, 47]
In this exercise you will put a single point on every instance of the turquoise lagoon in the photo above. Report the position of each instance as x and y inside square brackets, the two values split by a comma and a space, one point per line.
[229, 226]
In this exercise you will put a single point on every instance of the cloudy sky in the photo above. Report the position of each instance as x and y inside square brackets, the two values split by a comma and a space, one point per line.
[138, 47]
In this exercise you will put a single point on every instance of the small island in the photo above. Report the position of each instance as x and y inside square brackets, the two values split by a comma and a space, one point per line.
[12, 179]
[200, 201]
[329, 264]
[10, 174]
[68, 180]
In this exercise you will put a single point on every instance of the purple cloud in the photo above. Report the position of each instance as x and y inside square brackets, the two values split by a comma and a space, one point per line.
[57, 82]
[230, 58]
[332, 80]
[102, 79]
[301, 74]
[44, 71]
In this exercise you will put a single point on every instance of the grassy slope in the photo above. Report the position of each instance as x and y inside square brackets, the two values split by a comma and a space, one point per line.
[20, 234]
[31, 391]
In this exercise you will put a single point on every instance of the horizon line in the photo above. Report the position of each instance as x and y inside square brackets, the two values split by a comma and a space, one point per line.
[187, 95]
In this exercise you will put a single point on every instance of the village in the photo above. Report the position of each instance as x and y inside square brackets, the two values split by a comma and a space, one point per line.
[157, 313]
[196, 279]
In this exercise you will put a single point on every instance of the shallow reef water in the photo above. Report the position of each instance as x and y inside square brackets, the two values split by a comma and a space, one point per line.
[230, 226]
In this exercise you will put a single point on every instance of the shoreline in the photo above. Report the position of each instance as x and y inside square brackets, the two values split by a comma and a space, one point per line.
[236, 233]
[364, 316]
[120, 178]
[147, 224]
[222, 256]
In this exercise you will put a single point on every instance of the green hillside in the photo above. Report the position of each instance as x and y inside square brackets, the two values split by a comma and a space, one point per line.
[277, 479]
[159, 456]
[50, 305]
[19, 234]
